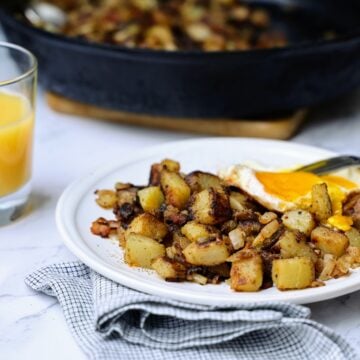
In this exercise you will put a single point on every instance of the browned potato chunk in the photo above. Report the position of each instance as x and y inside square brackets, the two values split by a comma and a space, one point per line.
[177, 191]
[354, 237]
[292, 244]
[151, 198]
[147, 225]
[320, 202]
[195, 231]
[107, 199]
[156, 169]
[300, 220]
[198, 181]
[295, 273]
[247, 274]
[329, 241]
[211, 207]
[168, 269]
[141, 250]
[208, 253]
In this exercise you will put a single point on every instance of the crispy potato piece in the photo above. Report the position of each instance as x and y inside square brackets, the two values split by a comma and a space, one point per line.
[195, 231]
[211, 207]
[292, 244]
[247, 273]
[107, 199]
[176, 190]
[299, 220]
[170, 165]
[147, 225]
[151, 198]
[141, 250]
[354, 237]
[320, 202]
[168, 269]
[295, 273]
[208, 253]
[156, 169]
[265, 237]
[199, 181]
[329, 241]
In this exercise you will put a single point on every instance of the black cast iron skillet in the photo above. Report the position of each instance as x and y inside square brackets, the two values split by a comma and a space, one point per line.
[207, 85]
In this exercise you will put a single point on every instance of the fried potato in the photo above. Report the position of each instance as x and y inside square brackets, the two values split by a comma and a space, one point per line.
[107, 199]
[320, 202]
[292, 244]
[195, 231]
[247, 273]
[211, 207]
[141, 250]
[156, 169]
[354, 237]
[329, 241]
[208, 253]
[295, 273]
[198, 181]
[147, 225]
[151, 198]
[300, 220]
[176, 190]
[168, 269]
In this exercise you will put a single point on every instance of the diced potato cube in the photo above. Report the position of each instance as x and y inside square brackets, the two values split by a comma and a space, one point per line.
[211, 207]
[176, 190]
[300, 220]
[170, 165]
[195, 231]
[292, 244]
[320, 202]
[354, 237]
[198, 181]
[295, 273]
[168, 269]
[147, 225]
[329, 241]
[141, 250]
[208, 253]
[107, 199]
[247, 274]
[151, 198]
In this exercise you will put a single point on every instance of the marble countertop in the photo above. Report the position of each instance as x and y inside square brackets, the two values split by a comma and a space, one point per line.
[66, 147]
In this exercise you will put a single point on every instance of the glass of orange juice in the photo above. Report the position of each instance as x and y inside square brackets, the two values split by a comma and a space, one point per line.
[18, 76]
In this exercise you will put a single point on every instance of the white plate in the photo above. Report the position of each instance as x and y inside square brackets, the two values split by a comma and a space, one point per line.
[77, 209]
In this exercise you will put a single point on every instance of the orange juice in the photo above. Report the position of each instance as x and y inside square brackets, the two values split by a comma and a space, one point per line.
[16, 133]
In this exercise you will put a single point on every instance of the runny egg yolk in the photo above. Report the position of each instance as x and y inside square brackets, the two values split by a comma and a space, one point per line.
[296, 187]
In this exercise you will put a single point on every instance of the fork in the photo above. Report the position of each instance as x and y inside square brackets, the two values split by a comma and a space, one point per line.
[327, 165]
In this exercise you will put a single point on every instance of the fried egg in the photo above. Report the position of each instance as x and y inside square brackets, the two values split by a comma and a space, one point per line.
[283, 191]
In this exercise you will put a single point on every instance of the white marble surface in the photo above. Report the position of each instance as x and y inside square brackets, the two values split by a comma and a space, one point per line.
[31, 325]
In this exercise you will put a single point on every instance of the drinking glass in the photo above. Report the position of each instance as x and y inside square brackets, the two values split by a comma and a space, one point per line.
[18, 77]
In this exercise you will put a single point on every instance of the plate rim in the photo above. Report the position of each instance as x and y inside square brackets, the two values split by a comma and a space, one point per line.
[67, 229]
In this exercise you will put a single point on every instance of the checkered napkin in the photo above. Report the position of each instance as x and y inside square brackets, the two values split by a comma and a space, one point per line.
[110, 321]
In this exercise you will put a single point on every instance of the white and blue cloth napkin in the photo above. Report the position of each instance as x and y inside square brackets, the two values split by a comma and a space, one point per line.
[110, 321]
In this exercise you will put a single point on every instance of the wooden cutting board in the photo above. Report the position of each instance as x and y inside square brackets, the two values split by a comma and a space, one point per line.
[281, 128]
